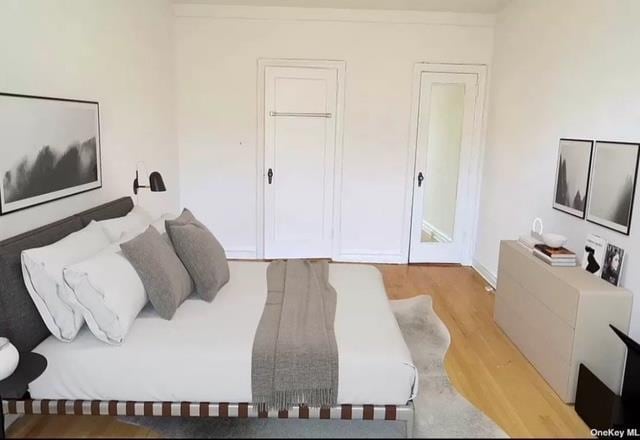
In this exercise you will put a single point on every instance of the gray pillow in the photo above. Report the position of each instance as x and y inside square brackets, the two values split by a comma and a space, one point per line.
[163, 275]
[201, 254]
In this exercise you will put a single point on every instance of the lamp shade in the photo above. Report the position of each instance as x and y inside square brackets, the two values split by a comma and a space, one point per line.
[156, 184]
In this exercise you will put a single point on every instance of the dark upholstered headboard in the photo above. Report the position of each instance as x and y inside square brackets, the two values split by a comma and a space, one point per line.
[19, 318]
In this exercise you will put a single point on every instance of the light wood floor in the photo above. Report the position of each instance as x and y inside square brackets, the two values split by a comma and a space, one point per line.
[483, 365]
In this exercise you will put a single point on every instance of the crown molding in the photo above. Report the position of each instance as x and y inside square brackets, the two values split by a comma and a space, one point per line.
[228, 12]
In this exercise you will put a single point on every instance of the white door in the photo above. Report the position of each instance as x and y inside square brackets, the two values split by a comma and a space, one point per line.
[441, 218]
[300, 140]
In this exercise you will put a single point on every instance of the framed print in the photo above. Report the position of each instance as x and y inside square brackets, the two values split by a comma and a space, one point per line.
[572, 176]
[594, 254]
[50, 149]
[612, 269]
[613, 185]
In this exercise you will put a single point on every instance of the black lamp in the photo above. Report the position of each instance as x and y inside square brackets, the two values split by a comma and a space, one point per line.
[156, 184]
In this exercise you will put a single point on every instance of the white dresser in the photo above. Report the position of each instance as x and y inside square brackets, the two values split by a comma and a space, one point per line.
[559, 318]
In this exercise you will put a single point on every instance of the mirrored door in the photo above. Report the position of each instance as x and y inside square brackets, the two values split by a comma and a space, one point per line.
[440, 227]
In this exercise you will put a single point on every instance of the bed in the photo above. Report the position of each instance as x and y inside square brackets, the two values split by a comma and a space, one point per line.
[199, 363]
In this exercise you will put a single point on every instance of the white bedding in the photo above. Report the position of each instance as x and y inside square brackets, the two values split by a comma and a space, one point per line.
[204, 353]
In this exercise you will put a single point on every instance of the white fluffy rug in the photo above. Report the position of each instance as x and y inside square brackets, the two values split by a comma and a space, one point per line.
[439, 410]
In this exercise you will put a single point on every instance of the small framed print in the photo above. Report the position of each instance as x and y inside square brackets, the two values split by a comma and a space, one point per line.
[613, 185]
[595, 249]
[572, 176]
[612, 269]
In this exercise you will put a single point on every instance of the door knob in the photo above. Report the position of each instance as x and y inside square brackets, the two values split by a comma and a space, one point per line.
[270, 175]
[420, 178]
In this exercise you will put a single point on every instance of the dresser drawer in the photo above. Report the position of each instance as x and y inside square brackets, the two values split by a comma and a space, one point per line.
[539, 279]
[546, 327]
[527, 338]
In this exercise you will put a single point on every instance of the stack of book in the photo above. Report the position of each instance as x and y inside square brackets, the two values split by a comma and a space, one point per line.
[562, 257]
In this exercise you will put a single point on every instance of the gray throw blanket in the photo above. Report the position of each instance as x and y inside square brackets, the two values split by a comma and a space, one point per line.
[295, 356]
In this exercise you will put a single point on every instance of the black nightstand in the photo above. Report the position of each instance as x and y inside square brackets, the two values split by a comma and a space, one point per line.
[30, 367]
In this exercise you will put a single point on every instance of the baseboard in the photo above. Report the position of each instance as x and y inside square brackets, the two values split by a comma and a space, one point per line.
[349, 255]
[369, 256]
[485, 273]
[241, 254]
[436, 233]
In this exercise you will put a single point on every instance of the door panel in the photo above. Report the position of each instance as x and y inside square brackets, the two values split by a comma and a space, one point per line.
[440, 218]
[300, 127]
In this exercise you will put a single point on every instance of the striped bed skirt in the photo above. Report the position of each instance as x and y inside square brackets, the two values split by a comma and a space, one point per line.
[205, 409]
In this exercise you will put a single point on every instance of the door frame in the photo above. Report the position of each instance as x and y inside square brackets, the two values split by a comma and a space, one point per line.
[340, 67]
[476, 159]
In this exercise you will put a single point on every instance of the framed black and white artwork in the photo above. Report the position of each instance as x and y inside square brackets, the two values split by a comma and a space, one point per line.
[613, 185]
[49, 149]
[613, 260]
[572, 176]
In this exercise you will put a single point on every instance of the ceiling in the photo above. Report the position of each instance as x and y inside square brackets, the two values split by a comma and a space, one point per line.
[480, 6]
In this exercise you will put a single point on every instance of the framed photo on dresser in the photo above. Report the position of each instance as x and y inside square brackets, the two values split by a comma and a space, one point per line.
[613, 185]
[613, 260]
[572, 176]
[50, 149]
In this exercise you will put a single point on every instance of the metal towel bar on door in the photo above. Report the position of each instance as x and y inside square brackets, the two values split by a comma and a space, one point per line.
[301, 115]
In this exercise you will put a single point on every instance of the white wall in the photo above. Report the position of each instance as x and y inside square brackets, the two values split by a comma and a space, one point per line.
[562, 68]
[117, 52]
[217, 49]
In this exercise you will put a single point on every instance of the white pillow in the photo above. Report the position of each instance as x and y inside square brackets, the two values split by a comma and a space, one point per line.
[159, 223]
[42, 270]
[136, 220]
[109, 292]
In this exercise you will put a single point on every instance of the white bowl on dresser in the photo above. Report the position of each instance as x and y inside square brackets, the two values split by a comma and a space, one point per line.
[554, 240]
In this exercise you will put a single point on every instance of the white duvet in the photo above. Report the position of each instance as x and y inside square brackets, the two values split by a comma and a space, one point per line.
[204, 353]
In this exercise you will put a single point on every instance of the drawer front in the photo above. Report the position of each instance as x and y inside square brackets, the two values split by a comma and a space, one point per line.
[549, 329]
[538, 278]
[518, 328]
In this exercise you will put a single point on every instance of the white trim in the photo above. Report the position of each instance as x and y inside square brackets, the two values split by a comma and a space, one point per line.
[437, 234]
[231, 12]
[340, 67]
[370, 256]
[476, 160]
[484, 81]
[485, 273]
[248, 253]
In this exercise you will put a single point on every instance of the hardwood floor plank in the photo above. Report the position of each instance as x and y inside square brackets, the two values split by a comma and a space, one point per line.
[482, 363]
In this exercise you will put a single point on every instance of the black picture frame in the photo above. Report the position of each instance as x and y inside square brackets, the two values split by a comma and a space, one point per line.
[559, 206]
[68, 191]
[598, 220]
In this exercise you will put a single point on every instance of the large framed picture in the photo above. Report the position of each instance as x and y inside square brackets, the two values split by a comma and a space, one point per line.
[613, 185]
[572, 176]
[50, 149]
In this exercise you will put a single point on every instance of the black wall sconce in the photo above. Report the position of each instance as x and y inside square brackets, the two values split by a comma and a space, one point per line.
[156, 184]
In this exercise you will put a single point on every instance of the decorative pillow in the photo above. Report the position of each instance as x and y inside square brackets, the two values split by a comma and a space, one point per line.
[109, 292]
[135, 221]
[165, 279]
[201, 254]
[42, 270]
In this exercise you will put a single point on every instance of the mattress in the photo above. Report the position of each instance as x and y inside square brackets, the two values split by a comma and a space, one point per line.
[204, 353]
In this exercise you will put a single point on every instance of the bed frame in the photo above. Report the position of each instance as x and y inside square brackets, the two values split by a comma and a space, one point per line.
[204, 409]
[22, 324]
